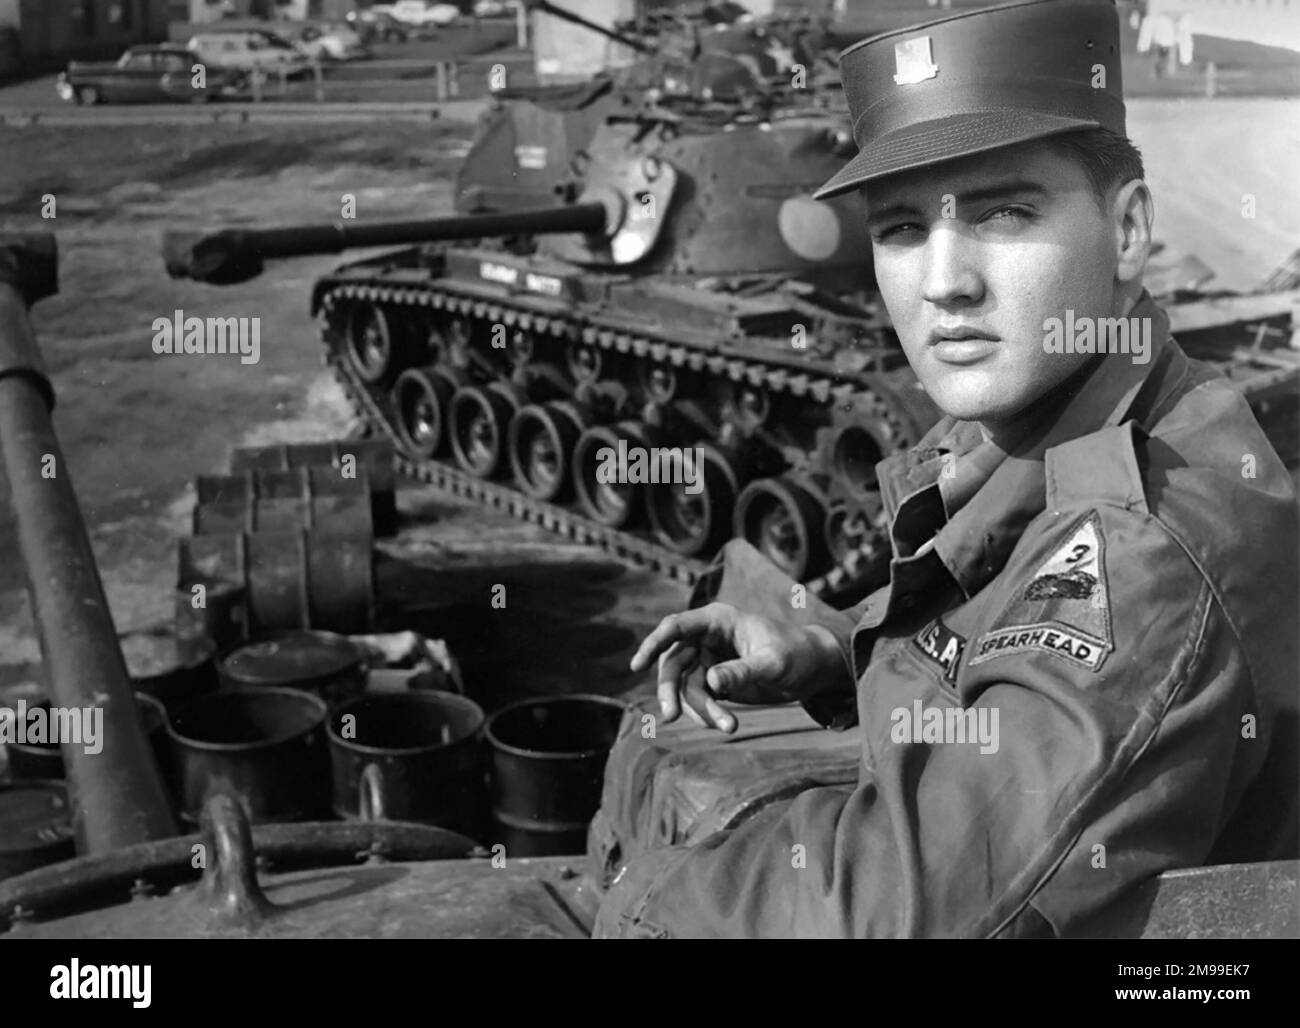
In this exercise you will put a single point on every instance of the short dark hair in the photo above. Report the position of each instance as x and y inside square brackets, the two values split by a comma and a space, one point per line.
[1108, 159]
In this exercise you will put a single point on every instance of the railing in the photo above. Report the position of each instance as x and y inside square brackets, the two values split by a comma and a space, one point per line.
[464, 78]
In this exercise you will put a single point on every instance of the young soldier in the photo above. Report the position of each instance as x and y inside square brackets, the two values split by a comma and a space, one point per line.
[1083, 669]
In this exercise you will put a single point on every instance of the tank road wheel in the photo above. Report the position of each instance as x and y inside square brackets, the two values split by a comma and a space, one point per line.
[422, 399]
[608, 498]
[784, 522]
[848, 526]
[370, 341]
[695, 518]
[585, 362]
[854, 456]
[659, 382]
[844, 530]
[480, 420]
[542, 439]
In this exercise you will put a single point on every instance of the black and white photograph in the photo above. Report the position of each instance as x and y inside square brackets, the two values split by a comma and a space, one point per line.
[649, 469]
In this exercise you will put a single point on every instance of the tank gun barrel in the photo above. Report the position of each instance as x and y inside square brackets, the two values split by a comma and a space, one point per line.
[117, 796]
[236, 255]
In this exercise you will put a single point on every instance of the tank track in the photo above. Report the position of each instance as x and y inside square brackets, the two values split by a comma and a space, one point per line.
[853, 575]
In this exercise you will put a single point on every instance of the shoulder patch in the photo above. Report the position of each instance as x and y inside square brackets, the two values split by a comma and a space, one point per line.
[1064, 608]
[1049, 637]
[1073, 572]
[941, 645]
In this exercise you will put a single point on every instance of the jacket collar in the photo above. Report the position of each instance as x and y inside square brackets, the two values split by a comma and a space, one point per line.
[990, 493]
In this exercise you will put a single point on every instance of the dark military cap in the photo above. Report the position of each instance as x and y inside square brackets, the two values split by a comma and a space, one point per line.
[978, 81]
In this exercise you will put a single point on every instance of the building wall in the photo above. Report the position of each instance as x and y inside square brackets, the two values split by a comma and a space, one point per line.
[203, 11]
[56, 30]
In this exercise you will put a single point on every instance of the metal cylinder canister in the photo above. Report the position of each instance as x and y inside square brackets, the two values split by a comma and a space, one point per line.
[29, 757]
[319, 499]
[172, 668]
[548, 766]
[35, 826]
[412, 756]
[327, 665]
[266, 746]
[290, 580]
[374, 455]
[212, 608]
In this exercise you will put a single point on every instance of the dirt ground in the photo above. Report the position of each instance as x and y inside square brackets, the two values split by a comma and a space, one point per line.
[136, 427]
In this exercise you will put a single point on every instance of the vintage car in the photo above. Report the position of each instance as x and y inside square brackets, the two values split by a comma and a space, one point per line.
[249, 51]
[424, 16]
[147, 74]
[377, 26]
[329, 42]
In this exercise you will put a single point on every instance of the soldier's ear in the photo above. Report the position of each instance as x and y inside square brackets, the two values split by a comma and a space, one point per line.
[1132, 213]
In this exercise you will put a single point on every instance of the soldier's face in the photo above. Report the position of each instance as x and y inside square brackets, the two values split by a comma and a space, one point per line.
[973, 256]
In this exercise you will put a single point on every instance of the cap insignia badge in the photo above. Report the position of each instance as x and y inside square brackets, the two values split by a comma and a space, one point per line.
[912, 62]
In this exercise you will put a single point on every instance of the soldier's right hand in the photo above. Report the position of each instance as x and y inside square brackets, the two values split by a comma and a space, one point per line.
[719, 652]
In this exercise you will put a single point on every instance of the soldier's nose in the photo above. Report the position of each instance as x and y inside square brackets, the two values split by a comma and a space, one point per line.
[950, 275]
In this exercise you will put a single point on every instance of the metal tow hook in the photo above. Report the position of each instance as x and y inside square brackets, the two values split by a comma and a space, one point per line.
[229, 889]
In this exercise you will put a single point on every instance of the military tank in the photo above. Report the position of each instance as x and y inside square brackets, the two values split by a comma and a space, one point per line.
[691, 295]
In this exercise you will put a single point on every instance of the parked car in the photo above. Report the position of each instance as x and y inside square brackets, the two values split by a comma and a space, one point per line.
[250, 51]
[422, 15]
[442, 14]
[377, 26]
[147, 74]
[328, 42]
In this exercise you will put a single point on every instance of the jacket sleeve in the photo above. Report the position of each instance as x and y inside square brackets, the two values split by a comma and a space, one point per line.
[1100, 778]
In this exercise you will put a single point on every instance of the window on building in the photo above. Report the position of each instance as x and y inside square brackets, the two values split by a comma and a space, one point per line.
[83, 17]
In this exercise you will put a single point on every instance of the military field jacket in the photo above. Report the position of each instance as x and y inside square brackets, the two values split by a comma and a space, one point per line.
[1082, 673]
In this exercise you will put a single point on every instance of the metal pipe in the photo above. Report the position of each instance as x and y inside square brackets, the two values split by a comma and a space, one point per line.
[117, 794]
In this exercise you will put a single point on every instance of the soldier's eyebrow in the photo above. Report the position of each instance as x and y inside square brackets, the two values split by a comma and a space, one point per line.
[986, 194]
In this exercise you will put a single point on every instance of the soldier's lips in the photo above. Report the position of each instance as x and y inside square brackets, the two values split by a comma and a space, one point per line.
[963, 350]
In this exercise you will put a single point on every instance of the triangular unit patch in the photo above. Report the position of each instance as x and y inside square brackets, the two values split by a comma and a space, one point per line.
[1064, 608]
[1073, 572]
